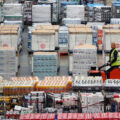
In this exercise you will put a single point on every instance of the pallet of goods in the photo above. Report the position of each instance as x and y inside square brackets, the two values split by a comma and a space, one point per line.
[79, 35]
[41, 14]
[20, 85]
[10, 36]
[84, 83]
[45, 64]
[45, 38]
[84, 57]
[55, 84]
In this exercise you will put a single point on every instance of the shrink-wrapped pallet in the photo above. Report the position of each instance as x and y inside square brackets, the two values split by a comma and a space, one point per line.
[79, 36]
[50, 27]
[99, 1]
[20, 85]
[45, 37]
[90, 11]
[102, 13]
[13, 11]
[88, 83]
[84, 57]
[111, 86]
[115, 21]
[55, 8]
[11, 1]
[43, 40]
[116, 9]
[92, 103]
[56, 84]
[8, 62]
[63, 38]
[10, 36]
[45, 64]
[62, 8]
[109, 37]
[41, 13]
[75, 21]
[35, 99]
[75, 11]
[1, 12]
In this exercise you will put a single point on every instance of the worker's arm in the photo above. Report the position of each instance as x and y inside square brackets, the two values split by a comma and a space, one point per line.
[115, 57]
[109, 58]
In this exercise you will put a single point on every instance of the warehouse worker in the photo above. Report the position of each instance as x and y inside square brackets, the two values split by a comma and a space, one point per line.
[114, 60]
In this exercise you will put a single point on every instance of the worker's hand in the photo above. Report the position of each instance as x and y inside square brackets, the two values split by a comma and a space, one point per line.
[108, 63]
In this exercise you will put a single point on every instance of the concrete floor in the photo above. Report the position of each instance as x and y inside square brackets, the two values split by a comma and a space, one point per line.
[63, 66]
[26, 65]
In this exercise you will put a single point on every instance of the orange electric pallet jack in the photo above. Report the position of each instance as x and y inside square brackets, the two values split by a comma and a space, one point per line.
[114, 74]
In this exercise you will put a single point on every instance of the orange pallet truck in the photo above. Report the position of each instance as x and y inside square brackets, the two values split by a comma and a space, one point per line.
[114, 74]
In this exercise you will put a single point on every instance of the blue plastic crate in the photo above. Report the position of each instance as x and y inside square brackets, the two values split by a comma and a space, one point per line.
[93, 5]
[116, 3]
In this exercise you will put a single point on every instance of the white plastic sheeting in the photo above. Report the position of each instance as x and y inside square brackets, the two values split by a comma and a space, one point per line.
[13, 9]
[41, 13]
[75, 11]
[8, 62]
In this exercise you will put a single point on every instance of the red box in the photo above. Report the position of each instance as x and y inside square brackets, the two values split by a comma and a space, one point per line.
[44, 116]
[25, 117]
[32, 116]
[65, 116]
[75, 116]
[35, 116]
[70, 116]
[119, 115]
[81, 116]
[116, 116]
[51, 116]
[88, 116]
[116, 96]
[100, 31]
[104, 116]
[111, 116]
[60, 115]
[38, 116]
[97, 116]
[100, 35]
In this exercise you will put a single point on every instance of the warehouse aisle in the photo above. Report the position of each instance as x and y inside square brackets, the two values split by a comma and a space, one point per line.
[25, 61]
[25, 67]
[100, 60]
[63, 66]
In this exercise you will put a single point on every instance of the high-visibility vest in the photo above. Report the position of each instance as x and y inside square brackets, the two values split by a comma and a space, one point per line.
[117, 62]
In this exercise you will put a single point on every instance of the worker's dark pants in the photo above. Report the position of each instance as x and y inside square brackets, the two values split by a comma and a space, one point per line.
[109, 70]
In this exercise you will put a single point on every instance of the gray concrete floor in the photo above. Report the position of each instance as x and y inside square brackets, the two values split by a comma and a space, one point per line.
[63, 66]
[26, 66]
[99, 60]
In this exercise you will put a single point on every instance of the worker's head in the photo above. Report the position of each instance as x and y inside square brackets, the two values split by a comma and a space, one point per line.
[113, 45]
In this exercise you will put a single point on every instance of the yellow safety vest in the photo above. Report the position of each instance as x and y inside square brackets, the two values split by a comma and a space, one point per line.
[117, 62]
